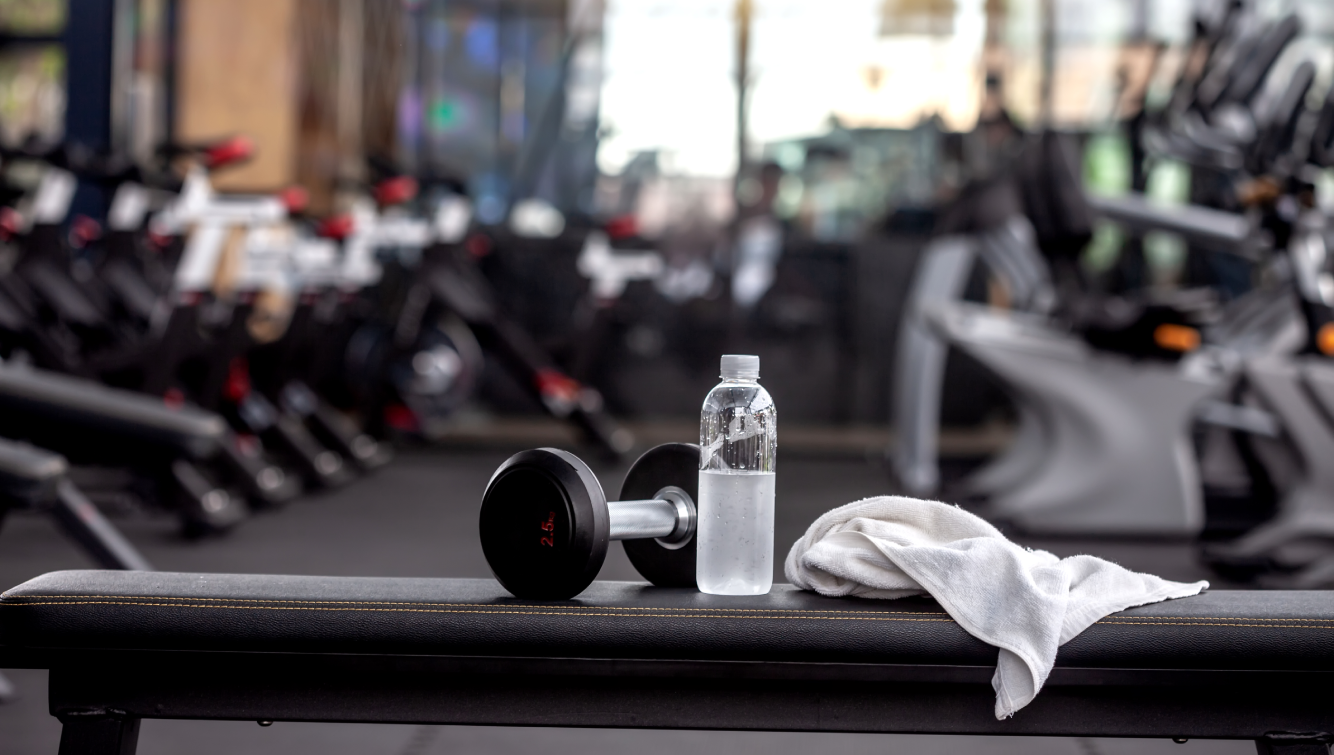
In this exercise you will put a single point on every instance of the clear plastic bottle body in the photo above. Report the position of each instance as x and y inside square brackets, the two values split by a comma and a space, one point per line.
[738, 440]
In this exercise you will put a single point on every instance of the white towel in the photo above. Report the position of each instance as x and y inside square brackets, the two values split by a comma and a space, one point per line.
[1025, 602]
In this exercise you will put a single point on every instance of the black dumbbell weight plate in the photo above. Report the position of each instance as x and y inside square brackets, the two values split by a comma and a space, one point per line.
[544, 526]
[670, 464]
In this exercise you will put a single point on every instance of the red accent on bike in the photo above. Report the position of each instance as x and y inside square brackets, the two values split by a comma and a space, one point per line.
[237, 386]
[401, 418]
[337, 227]
[247, 445]
[173, 398]
[10, 223]
[396, 190]
[622, 227]
[556, 384]
[232, 150]
[295, 198]
[478, 245]
[159, 241]
[83, 231]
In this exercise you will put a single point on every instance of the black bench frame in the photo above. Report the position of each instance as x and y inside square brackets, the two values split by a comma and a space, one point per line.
[101, 696]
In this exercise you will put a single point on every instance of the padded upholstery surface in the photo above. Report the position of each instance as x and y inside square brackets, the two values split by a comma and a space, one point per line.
[53, 406]
[93, 610]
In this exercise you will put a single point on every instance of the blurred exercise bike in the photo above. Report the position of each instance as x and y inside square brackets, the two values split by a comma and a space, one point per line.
[449, 272]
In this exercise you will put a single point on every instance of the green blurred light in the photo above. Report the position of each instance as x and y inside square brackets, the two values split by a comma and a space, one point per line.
[1105, 248]
[1169, 182]
[1107, 165]
[444, 115]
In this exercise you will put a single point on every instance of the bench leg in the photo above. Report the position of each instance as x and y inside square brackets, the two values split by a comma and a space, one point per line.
[81, 520]
[99, 735]
[1298, 743]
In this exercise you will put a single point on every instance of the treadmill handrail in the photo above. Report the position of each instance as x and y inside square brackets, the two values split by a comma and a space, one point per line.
[1216, 229]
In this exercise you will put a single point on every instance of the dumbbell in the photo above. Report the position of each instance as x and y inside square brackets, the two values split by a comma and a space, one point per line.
[546, 523]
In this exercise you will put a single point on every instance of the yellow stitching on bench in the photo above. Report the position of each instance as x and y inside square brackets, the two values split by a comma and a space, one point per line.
[1208, 624]
[549, 610]
[504, 608]
[441, 610]
[9, 601]
[670, 613]
[1213, 618]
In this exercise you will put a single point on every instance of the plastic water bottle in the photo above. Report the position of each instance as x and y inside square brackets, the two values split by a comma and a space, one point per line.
[738, 440]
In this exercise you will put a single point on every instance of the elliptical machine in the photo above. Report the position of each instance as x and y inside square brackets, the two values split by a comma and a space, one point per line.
[1105, 414]
[1293, 550]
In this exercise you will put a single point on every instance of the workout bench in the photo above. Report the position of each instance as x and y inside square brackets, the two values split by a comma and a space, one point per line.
[123, 646]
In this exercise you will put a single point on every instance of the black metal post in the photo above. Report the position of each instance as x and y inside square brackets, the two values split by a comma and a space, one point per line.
[89, 45]
[1290, 743]
[88, 48]
[99, 734]
[99, 538]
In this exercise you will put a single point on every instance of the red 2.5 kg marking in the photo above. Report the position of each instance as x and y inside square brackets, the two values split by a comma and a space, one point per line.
[549, 527]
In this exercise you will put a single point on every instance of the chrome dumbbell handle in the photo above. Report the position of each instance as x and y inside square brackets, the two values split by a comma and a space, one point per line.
[669, 517]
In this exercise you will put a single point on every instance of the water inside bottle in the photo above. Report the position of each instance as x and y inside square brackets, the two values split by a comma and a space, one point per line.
[736, 533]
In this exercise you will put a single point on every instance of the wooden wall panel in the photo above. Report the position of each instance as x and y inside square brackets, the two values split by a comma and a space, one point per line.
[237, 73]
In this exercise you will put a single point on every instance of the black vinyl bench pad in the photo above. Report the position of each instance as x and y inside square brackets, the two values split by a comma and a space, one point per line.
[221, 612]
[1222, 664]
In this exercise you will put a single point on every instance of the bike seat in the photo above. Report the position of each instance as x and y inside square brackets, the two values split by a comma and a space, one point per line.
[214, 153]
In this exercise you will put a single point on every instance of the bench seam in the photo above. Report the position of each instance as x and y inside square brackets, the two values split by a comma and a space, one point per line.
[54, 600]
[442, 610]
[670, 614]
[59, 599]
[1207, 623]
[1157, 619]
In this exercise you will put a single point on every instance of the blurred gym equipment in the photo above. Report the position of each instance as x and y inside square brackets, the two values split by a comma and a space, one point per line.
[1106, 413]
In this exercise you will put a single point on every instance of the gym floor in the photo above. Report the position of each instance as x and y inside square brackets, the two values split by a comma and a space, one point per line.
[418, 518]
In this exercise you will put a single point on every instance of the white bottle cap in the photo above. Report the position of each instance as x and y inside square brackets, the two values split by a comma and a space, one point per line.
[743, 366]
